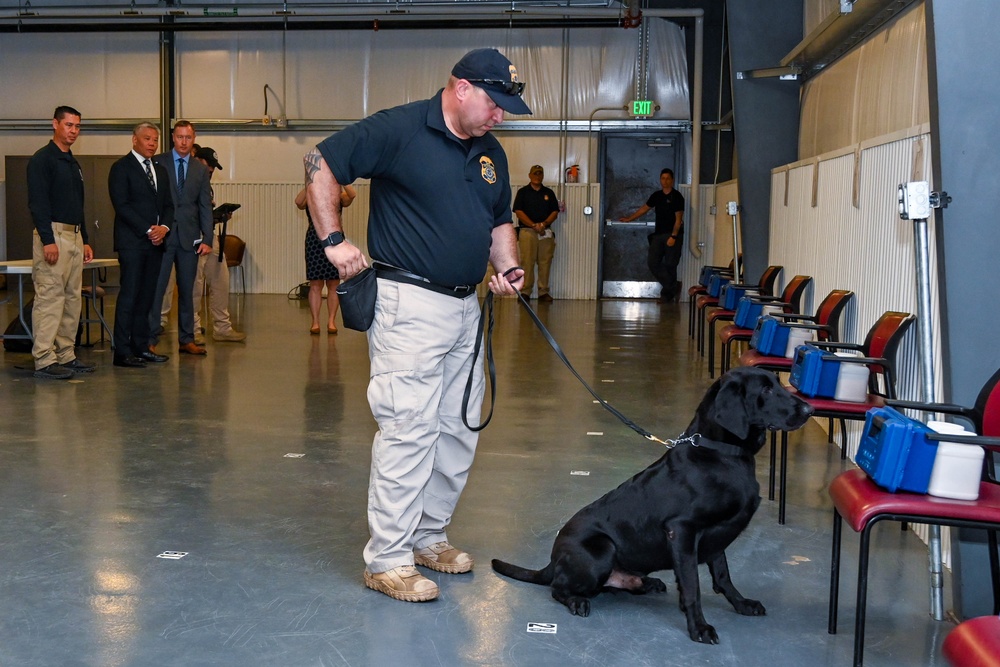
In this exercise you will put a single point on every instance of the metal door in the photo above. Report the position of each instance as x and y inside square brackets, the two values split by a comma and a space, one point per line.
[631, 165]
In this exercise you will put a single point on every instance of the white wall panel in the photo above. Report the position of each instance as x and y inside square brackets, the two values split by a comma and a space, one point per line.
[864, 248]
[351, 74]
[721, 245]
[879, 87]
[100, 75]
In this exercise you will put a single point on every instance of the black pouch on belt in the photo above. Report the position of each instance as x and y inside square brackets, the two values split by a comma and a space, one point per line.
[357, 300]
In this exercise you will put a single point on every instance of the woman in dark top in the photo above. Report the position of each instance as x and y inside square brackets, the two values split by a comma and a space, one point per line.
[319, 270]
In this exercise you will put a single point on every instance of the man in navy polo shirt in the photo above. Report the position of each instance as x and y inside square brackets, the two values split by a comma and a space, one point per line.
[439, 211]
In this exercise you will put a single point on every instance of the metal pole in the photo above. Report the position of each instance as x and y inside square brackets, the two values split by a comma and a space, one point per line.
[928, 388]
[736, 251]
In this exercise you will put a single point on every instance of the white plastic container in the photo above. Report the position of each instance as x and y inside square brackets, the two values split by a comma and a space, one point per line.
[852, 383]
[770, 310]
[957, 468]
[796, 337]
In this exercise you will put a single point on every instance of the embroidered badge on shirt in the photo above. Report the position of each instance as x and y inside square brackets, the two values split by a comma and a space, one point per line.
[489, 171]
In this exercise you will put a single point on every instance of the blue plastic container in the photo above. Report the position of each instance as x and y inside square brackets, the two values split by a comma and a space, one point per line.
[815, 371]
[770, 337]
[706, 274]
[715, 284]
[748, 311]
[895, 451]
[731, 294]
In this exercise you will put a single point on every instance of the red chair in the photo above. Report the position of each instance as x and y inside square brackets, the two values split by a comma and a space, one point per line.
[879, 354]
[790, 301]
[698, 290]
[862, 504]
[764, 286]
[826, 322]
[974, 643]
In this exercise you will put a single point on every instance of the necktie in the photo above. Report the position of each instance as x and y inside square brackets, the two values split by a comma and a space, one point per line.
[149, 173]
[180, 174]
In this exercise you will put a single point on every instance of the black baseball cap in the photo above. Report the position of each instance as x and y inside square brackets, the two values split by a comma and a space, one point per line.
[490, 70]
[208, 155]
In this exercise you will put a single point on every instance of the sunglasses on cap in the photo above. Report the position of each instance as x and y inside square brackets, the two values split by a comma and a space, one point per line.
[509, 87]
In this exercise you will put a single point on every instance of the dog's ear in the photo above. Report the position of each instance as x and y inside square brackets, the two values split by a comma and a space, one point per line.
[729, 409]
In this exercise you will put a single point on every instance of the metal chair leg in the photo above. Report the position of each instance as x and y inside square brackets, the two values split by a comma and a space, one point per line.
[691, 310]
[831, 623]
[859, 614]
[770, 474]
[711, 349]
[784, 477]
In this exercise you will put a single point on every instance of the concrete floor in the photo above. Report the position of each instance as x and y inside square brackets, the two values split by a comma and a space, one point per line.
[101, 475]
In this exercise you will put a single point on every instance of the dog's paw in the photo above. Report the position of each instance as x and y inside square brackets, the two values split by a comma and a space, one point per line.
[653, 585]
[578, 606]
[703, 633]
[750, 608]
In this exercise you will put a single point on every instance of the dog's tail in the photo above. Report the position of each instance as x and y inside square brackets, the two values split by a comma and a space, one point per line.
[543, 576]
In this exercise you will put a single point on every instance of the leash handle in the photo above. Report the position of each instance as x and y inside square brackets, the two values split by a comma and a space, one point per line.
[486, 314]
[558, 350]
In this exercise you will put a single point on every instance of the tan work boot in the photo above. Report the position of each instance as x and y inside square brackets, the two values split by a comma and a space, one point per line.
[442, 557]
[232, 336]
[402, 583]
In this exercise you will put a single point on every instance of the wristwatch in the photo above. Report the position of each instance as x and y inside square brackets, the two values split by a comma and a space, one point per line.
[333, 239]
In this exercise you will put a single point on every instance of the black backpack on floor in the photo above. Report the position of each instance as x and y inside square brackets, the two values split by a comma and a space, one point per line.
[15, 328]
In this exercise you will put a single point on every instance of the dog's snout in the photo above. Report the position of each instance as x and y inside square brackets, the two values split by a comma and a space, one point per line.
[804, 408]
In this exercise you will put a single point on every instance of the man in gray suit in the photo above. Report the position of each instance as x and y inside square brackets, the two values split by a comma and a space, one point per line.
[190, 236]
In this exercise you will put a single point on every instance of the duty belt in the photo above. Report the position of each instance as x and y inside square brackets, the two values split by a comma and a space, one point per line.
[398, 275]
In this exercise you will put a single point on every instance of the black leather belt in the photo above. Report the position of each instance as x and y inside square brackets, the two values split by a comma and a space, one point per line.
[398, 275]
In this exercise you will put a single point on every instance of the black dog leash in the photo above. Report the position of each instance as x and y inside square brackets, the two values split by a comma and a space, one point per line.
[607, 406]
[487, 315]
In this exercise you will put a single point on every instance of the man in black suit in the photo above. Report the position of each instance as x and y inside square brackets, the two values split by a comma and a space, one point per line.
[144, 214]
[191, 235]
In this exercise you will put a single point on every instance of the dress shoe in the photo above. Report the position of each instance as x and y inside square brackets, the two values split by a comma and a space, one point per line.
[130, 361]
[233, 336]
[153, 357]
[199, 339]
[191, 348]
[78, 366]
[332, 329]
[545, 298]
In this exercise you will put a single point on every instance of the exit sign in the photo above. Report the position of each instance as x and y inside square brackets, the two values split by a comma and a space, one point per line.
[641, 108]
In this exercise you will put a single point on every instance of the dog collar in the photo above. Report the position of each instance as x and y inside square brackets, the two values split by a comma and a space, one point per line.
[696, 440]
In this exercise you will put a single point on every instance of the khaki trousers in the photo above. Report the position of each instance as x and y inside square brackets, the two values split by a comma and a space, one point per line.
[55, 314]
[420, 347]
[533, 249]
[215, 275]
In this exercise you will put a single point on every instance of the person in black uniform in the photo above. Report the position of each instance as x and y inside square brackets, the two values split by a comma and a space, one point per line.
[144, 214]
[440, 210]
[536, 208]
[667, 239]
[59, 249]
[319, 270]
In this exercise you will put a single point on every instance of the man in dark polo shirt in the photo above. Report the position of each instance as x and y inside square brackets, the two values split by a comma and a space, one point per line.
[667, 239]
[439, 211]
[536, 208]
[59, 249]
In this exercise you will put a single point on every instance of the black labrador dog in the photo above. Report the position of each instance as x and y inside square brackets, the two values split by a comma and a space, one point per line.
[684, 509]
